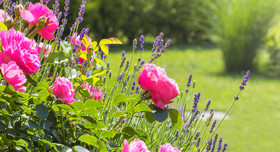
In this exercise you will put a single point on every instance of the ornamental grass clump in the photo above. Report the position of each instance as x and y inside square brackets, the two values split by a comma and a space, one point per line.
[59, 94]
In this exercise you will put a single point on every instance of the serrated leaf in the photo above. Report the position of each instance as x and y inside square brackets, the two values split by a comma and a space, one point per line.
[90, 103]
[43, 95]
[102, 146]
[42, 111]
[107, 134]
[149, 117]
[57, 57]
[65, 107]
[142, 107]
[119, 98]
[128, 132]
[70, 73]
[66, 47]
[160, 115]
[78, 105]
[118, 114]
[91, 140]
[79, 149]
[176, 118]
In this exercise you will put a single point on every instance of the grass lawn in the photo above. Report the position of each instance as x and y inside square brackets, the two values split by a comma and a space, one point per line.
[254, 120]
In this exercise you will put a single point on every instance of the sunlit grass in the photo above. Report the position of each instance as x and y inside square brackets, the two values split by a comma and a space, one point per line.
[255, 118]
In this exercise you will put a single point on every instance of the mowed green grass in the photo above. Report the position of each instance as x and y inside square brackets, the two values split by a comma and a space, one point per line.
[254, 124]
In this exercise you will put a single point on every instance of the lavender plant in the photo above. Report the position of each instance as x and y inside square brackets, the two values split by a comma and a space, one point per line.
[58, 94]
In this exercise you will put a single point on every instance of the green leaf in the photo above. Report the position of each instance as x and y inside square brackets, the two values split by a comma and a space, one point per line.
[26, 109]
[149, 117]
[160, 115]
[79, 149]
[102, 146]
[142, 135]
[142, 107]
[57, 57]
[70, 73]
[128, 132]
[91, 140]
[66, 47]
[45, 125]
[32, 124]
[90, 103]
[32, 81]
[43, 95]
[88, 125]
[107, 134]
[78, 105]
[42, 85]
[119, 98]
[118, 114]
[47, 142]
[84, 92]
[42, 111]
[95, 81]
[65, 107]
[176, 118]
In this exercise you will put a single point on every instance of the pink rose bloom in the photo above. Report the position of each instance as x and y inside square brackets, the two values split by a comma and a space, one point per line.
[168, 148]
[14, 76]
[135, 146]
[155, 80]
[37, 12]
[47, 49]
[16, 47]
[95, 92]
[4, 16]
[63, 88]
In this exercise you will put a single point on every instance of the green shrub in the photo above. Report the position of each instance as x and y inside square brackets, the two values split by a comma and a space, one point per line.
[241, 26]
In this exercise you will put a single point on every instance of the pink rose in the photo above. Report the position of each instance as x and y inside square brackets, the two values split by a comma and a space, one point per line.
[155, 80]
[135, 146]
[14, 76]
[63, 88]
[95, 92]
[4, 16]
[16, 47]
[38, 12]
[168, 148]
[47, 49]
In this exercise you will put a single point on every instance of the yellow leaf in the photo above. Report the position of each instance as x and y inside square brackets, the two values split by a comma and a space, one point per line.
[111, 40]
[85, 41]
[104, 48]
[3, 27]
[94, 46]
[83, 55]
[99, 62]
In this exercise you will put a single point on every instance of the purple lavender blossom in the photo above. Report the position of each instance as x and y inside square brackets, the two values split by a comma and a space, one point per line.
[214, 143]
[225, 147]
[207, 105]
[142, 42]
[189, 80]
[197, 135]
[209, 144]
[213, 126]
[198, 141]
[196, 100]
[220, 145]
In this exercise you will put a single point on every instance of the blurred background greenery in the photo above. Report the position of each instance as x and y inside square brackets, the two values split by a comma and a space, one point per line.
[216, 40]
